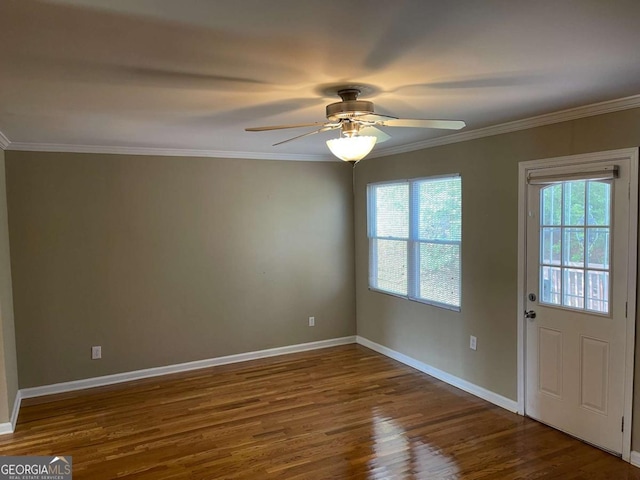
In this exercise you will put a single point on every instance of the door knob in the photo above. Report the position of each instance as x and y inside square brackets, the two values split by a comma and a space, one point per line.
[529, 314]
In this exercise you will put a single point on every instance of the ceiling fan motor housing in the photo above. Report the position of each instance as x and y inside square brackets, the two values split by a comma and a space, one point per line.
[349, 107]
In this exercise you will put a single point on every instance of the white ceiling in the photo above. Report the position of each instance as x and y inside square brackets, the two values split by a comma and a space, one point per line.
[192, 74]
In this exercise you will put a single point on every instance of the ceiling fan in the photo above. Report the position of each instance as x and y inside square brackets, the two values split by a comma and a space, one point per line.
[357, 123]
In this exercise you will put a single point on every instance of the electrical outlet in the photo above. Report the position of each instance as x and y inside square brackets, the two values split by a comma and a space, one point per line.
[473, 343]
[96, 352]
[312, 321]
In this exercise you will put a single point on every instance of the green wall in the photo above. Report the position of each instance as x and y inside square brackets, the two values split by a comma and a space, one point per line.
[489, 169]
[8, 362]
[164, 260]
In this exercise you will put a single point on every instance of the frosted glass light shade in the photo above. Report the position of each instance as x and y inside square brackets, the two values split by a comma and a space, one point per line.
[351, 149]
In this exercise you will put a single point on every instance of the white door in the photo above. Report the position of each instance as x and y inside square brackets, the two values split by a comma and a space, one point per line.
[576, 288]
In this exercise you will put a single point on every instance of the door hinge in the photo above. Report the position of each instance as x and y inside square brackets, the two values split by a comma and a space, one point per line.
[623, 424]
[626, 309]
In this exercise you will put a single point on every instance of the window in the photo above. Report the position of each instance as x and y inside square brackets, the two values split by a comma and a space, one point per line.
[575, 244]
[415, 235]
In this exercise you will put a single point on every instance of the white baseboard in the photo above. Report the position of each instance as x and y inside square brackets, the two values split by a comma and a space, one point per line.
[16, 410]
[181, 367]
[10, 426]
[492, 397]
[468, 387]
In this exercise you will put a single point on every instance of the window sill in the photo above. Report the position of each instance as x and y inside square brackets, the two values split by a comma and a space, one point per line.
[417, 300]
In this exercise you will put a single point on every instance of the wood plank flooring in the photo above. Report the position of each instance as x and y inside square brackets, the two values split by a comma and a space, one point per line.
[338, 413]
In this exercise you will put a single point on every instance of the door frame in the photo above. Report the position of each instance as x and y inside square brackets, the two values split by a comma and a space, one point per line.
[627, 154]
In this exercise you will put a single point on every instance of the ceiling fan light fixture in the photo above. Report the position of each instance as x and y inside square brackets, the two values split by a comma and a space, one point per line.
[351, 149]
[353, 116]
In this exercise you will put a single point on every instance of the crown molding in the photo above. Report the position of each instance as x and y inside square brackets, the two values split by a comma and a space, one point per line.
[169, 152]
[601, 108]
[4, 141]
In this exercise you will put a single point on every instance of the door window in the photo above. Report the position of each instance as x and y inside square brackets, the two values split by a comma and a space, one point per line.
[575, 239]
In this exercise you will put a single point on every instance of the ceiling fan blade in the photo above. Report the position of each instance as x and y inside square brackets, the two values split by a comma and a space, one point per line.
[418, 123]
[373, 117]
[280, 127]
[374, 132]
[323, 129]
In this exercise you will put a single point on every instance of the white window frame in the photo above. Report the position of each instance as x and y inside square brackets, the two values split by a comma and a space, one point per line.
[413, 243]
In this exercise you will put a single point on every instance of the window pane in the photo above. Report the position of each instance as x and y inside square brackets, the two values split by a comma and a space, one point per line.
[392, 210]
[392, 266]
[439, 279]
[440, 209]
[573, 295]
[573, 247]
[581, 279]
[598, 203]
[550, 245]
[598, 291]
[551, 285]
[598, 248]
[399, 215]
[574, 195]
[551, 204]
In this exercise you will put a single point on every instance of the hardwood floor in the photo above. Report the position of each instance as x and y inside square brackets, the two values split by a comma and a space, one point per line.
[339, 413]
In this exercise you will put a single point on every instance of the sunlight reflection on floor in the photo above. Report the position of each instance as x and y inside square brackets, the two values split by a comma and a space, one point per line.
[398, 456]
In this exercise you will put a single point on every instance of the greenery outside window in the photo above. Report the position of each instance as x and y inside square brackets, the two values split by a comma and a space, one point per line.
[415, 239]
